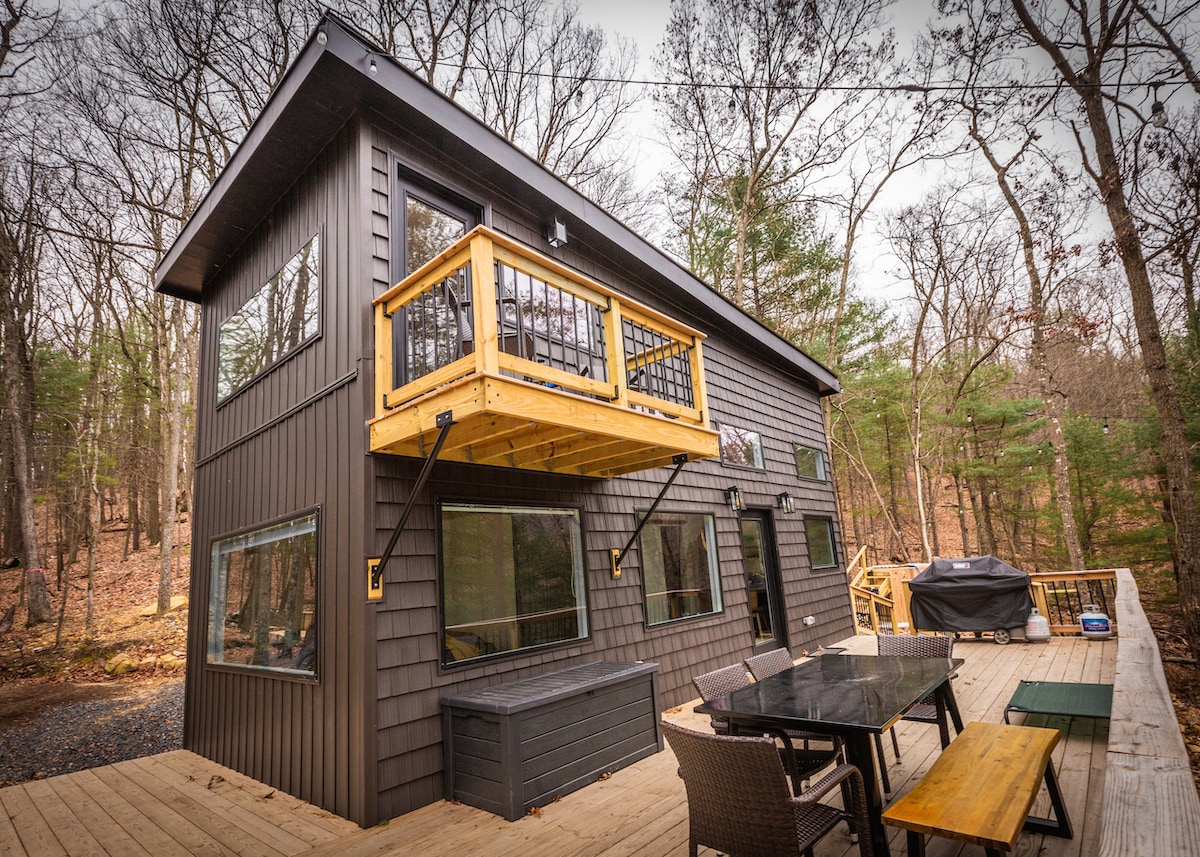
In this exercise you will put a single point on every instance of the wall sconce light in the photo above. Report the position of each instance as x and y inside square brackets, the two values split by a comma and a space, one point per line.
[556, 233]
[786, 502]
[733, 496]
[374, 67]
[322, 37]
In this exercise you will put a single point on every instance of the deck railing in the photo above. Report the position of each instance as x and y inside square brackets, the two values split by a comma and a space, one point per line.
[880, 597]
[490, 305]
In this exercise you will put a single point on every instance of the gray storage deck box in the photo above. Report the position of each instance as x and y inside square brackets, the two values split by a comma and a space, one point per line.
[520, 745]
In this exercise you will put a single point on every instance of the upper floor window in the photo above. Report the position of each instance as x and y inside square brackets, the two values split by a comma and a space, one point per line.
[263, 598]
[272, 323]
[512, 578]
[427, 231]
[741, 447]
[810, 462]
[679, 566]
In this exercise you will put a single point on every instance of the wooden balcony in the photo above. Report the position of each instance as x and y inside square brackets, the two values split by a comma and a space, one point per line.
[541, 368]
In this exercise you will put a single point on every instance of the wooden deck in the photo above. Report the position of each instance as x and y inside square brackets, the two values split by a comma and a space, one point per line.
[181, 804]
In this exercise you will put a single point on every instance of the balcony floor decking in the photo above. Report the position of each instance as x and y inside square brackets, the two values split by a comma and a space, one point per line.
[181, 804]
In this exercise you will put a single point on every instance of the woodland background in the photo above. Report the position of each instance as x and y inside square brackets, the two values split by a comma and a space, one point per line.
[1033, 393]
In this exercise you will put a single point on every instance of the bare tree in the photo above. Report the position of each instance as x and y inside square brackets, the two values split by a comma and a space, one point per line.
[25, 30]
[1006, 129]
[1091, 52]
[751, 88]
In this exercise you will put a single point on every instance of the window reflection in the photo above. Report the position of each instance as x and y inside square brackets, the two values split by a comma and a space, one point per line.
[272, 323]
[427, 232]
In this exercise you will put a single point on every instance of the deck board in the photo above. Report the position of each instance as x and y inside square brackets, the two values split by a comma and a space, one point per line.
[181, 804]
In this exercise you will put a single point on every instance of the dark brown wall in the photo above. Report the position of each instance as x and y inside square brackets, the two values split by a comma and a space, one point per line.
[292, 440]
[742, 390]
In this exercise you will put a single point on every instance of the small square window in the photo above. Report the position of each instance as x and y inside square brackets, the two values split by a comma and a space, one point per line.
[822, 553]
[741, 447]
[810, 462]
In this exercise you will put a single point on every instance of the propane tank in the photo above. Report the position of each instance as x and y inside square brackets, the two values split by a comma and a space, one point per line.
[1094, 623]
[1037, 627]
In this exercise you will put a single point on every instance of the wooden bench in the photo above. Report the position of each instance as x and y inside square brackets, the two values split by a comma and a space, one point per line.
[981, 788]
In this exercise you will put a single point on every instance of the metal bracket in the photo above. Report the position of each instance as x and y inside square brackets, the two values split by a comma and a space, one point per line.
[617, 556]
[443, 420]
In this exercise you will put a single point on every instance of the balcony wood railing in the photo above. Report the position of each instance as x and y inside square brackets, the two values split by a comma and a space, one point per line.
[542, 367]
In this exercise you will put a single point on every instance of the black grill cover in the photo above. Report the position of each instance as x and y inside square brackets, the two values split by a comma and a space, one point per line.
[976, 593]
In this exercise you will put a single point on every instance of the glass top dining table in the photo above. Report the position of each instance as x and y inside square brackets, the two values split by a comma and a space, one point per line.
[853, 696]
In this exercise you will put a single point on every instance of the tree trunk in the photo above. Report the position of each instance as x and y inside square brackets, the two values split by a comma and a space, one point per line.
[1181, 484]
[170, 476]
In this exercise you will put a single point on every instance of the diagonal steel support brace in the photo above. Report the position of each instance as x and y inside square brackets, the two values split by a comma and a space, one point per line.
[444, 420]
[678, 461]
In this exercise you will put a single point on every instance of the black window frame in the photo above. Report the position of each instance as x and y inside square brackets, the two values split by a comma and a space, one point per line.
[318, 236]
[827, 520]
[456, 665]
[820, 457]
[715, 580]
[721, 425]
[312, 676]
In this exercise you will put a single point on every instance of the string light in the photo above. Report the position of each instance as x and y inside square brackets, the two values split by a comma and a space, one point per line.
[1158, 110]
[917, 88]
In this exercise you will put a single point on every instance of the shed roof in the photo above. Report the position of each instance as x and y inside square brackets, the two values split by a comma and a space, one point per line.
[327, 84]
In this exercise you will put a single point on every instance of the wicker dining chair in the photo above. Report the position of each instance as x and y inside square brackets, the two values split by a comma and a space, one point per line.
[941, 646]
[778, 660]
[800, 757]
[769, 663]
[739, 802]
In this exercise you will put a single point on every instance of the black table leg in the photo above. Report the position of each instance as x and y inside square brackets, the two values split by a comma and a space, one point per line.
[860, 754]
[952, 706]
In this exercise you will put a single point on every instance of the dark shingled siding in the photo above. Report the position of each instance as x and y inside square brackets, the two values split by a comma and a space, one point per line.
[742, 390]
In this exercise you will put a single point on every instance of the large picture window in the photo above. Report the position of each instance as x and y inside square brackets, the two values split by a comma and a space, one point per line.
[679, 566]
[512, 579]
[272, 323]
[821, 551]
[263, 602]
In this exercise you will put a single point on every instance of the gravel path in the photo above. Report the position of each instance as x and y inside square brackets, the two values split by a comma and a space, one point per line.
[83, 735]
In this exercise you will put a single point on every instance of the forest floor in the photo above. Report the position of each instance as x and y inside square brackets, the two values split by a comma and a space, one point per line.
[38, 676]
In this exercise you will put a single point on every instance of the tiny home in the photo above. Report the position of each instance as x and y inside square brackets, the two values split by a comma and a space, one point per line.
[457, 427]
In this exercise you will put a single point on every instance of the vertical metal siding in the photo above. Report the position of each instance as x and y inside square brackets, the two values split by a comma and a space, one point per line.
[303, 737]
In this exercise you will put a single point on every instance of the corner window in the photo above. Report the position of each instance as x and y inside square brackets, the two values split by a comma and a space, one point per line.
[810, 462]
[741, 447]
[512, 579]
[263, 602]
[273, 323]
[679, 566]
[821, 550]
